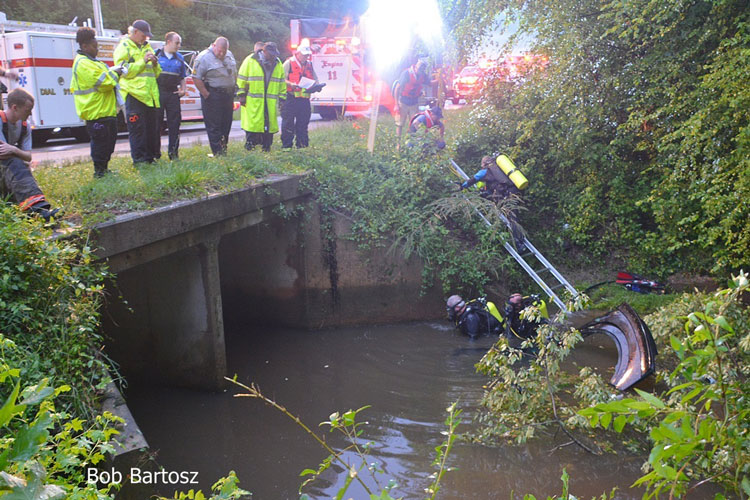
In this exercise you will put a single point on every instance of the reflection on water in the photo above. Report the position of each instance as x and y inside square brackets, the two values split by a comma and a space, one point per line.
[408, 373]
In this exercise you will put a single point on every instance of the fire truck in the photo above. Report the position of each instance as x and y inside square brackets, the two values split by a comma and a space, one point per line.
[341, 61]
[42, 56]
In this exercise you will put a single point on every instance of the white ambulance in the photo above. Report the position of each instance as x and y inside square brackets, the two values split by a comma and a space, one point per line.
[42, 56]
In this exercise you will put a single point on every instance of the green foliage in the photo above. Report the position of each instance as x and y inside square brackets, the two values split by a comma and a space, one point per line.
[44, 453]
[529, 389]
[226, 488]
[636, 133]
[610, 296]
[698, 427]
[50, 293]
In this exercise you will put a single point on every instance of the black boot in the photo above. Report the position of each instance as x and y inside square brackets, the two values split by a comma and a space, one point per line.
[43, 210]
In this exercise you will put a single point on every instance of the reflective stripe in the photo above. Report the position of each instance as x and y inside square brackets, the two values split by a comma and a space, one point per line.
[280, 80]
[250, 78]
[256, 96]
[84, 92]
[272, 96]
[31, 201]
[169, 73]
[146, 75]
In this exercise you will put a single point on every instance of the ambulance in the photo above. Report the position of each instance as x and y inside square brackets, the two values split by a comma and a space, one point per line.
[42, 56]
[340, 60]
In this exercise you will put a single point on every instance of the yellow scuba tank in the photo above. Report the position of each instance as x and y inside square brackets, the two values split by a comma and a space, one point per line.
[493, 311]
[512, 172]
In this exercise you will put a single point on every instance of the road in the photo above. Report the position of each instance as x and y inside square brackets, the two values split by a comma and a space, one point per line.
[69, 150]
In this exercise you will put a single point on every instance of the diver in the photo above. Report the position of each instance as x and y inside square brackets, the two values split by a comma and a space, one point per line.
[518, 329]
[476, 317]
[497, 186]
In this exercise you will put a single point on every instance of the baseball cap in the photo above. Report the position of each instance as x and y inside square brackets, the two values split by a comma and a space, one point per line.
[143, 26]
[272, 49]
[305, 50]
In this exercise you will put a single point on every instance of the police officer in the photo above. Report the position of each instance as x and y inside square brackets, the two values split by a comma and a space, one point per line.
[97, 97]
[172, 87]
[261, 86]
[215, 74]
[16, 180]
[295, 114]
[138, 85]
[474, 318]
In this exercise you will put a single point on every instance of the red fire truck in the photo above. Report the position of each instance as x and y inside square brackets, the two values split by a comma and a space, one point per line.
[341, 60]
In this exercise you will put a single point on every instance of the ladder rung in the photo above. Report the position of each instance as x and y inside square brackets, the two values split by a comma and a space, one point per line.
[556, 286]
[543, 269]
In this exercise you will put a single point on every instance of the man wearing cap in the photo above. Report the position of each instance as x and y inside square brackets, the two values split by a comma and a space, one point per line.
[172, 87]
[295, 114]
[140, 69]
[261, 86]
[215, 74]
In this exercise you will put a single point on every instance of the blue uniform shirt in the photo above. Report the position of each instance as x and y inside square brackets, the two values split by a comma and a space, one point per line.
[173, 70]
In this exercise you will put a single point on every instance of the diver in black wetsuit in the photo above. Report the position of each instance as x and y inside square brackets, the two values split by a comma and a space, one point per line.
[474, 318]
[517, 328]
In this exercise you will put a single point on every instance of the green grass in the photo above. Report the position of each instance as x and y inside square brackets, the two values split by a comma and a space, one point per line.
[612, 295]
[88, 201]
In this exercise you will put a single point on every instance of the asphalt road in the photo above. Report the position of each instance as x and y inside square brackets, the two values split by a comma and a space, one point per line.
[69, 150]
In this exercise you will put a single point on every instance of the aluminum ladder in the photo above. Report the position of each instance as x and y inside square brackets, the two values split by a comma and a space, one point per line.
[531, 251]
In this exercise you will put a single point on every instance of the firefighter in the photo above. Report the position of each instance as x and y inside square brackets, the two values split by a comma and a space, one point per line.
[16, 180]
[138, 85]
[407, 91]
[498, 187]
[97, 97]
[261, 86]
[172, 86]
[430, 118]
[215, 74]
[476, 317]
[295, 114]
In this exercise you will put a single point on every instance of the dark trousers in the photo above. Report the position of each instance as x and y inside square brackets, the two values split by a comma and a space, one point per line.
[103, 134]
[170, 105]
[295, 117]
[217, 115]
[144, 131]
[263, 139]
[16, 180]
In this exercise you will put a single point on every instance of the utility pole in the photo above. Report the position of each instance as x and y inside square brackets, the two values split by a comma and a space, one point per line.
[98, 19]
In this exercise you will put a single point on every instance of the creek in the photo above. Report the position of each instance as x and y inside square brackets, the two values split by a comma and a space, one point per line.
[408, 373]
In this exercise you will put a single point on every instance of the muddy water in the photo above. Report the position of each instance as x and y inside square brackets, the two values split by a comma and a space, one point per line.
[408, 373]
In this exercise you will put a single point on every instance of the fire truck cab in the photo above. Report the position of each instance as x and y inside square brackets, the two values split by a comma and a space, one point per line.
[340, 60]
[42, 55]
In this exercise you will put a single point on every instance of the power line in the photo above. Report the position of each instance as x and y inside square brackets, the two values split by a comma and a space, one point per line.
[217, 4]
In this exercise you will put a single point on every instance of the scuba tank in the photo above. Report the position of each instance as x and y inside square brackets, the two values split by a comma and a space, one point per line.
[512, 172]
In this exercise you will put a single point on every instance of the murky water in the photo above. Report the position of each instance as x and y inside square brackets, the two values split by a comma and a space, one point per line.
[408, 373]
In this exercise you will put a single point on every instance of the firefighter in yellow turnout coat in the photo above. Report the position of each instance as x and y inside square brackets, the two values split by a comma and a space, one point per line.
[261, 85]
[97, 97]
[141, 92]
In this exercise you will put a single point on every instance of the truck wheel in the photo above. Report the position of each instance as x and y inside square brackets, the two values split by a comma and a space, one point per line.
[81, 134]
[39, 137]
[330, 112]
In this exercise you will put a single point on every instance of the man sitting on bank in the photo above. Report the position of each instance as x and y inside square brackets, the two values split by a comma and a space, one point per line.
[16, 180]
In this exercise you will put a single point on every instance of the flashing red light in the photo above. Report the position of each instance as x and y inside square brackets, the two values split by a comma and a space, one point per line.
[18, 46]
[235, 106]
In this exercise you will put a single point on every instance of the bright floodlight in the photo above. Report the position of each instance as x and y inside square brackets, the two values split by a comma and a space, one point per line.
[392, 26]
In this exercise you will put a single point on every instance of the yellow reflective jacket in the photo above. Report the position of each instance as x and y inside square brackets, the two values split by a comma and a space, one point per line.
[259, 98]
[95, 90]
[140, 80]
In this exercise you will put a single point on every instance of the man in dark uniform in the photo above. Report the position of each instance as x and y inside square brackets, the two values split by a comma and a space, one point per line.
[171, 88]
[215, 76]
[474, 318]
[16, 180]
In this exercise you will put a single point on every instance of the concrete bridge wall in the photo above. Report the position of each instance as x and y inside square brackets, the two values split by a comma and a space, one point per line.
[186, 269]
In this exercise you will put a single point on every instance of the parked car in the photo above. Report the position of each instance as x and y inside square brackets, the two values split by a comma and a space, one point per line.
[467, 84]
